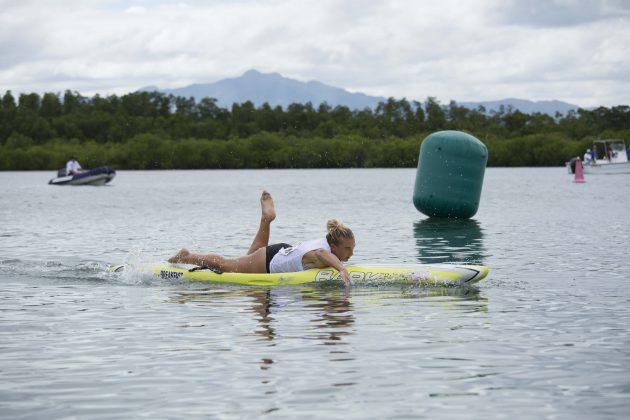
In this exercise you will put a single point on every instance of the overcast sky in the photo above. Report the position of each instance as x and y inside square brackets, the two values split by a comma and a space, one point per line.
[576, 51]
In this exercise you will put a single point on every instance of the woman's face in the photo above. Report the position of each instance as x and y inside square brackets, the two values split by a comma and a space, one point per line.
[344, 249]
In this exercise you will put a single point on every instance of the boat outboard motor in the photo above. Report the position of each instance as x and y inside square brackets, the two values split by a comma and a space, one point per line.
[572, 164]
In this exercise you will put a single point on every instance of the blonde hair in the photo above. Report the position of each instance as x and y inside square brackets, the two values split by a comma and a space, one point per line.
[337, 231]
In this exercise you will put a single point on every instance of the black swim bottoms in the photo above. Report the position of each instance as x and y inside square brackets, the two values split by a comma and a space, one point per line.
[272, 250]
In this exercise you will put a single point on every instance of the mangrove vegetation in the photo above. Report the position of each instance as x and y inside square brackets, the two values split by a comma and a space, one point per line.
[150, 130]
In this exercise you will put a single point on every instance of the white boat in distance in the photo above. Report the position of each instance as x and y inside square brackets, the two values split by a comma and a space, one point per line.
[614, 161]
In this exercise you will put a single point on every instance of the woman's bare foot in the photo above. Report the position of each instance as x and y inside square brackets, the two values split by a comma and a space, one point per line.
[183, 253]
[268, 209]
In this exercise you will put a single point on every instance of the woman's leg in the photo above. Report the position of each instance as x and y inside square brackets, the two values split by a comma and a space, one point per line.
[268, 214]
[252, 263]
[256, 259]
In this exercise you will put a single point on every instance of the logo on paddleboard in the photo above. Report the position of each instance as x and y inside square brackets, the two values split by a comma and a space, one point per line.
[325, 275]
[362, 276]
[170, 275]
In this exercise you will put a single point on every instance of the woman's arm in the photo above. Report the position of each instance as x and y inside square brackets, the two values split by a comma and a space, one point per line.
[329, 259]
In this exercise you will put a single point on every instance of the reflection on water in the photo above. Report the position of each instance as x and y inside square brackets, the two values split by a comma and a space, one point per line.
[464, 293]
[333, 316]
[467, 299]
[261, 303]
[331, 309]
[261, 306]
[449, 240]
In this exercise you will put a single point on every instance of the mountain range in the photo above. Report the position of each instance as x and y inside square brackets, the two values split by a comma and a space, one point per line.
[275, 89]
[525, 106]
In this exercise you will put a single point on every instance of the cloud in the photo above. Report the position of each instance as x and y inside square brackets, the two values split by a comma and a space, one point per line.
[473, 50]
[558, 13]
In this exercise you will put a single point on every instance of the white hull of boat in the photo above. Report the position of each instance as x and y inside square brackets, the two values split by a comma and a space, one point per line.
[608, 168]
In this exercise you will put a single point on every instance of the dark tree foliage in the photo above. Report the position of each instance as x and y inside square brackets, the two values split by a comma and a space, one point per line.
[150, 130]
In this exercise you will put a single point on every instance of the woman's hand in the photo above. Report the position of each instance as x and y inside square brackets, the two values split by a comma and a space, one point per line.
[345, 276]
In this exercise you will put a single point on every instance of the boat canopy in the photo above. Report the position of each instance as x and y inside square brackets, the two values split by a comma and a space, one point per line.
[612, 150]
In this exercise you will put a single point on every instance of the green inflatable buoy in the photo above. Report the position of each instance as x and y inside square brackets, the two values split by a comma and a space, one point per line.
[450, 175]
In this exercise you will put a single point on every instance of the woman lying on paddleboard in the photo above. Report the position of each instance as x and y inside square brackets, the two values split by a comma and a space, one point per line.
[338, 246]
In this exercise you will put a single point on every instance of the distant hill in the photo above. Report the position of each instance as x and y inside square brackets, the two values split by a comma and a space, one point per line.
[523, 105]
[275, 89]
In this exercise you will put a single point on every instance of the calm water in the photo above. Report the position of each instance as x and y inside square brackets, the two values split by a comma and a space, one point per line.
[544, 336]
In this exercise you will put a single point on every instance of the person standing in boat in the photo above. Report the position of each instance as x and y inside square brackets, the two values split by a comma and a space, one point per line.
[337, 246]
[72, 166]
[588, 157]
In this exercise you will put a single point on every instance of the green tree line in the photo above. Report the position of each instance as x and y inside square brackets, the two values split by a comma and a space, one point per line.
[151, 130]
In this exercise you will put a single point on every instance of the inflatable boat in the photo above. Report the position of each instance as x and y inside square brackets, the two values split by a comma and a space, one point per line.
[97, 176]
[423, 274]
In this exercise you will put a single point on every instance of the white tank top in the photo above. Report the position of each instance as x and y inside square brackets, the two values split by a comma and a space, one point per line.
[288, 260]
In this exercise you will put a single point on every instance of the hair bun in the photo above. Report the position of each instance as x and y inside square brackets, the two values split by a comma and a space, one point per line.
[337, 231]
[333, 224]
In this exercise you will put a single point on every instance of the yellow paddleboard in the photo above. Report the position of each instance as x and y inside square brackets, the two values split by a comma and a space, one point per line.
[424, 274]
